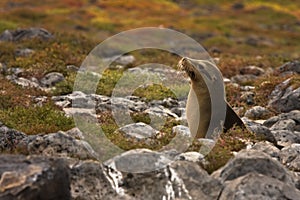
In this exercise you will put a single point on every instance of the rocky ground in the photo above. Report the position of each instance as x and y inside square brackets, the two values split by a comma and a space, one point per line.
[66, 164]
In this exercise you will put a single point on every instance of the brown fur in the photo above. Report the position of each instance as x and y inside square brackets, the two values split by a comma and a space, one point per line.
[199, 104]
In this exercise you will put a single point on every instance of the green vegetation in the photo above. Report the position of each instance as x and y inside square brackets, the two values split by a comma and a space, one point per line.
[34, 120]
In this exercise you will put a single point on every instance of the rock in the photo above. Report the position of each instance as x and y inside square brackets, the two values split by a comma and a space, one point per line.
[191, 157]
[252, 161]
[290, 157]
[243, 79]
[75, 133]
[52, 78]
[260, 130]
[138, 130]
[285, 98]
[72, 68]
[56, 144]
[176, 180]
[248, 97]
[292, 66]
[125, 60]
[21, 34]
[181, 130]
[26, 178]
[122, 60]
[24, 52]
[90, 181]
[293, 115]
[26, 82]
[267, 148]
[258, 186]
[15, 71]
[285, 137]
[9, 139]
[194, 181]
[160, 112]
[252, 70]
[287, 124]
[257, 112]
[6, 36]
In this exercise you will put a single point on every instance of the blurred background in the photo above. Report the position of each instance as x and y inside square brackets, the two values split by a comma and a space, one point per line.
[240, 27]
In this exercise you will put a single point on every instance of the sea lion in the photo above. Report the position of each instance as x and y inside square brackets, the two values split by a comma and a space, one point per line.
[199, 99]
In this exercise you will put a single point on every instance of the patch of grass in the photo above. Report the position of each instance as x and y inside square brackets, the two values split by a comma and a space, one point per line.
[228, 142]
[154, 91]
[5, 24]
[35, 119]
[12, 95]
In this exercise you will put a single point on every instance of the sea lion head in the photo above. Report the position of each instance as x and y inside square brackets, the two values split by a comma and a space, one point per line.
[196, 70]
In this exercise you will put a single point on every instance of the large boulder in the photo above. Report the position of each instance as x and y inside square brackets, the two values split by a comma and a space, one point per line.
[253, 161]
[144, 174]
[285, 98]
[259, 187]
[40, 178]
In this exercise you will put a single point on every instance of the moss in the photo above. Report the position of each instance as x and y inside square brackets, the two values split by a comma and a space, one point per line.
[233, 140]
[35, 119]
[154, 91]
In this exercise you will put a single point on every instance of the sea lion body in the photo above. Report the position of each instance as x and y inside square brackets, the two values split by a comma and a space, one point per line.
[198, 108]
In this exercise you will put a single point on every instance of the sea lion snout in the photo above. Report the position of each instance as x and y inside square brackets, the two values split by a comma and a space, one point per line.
[185, 65]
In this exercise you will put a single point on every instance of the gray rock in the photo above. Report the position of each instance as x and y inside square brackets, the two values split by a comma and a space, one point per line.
[52, 78]
[125, 60]
[21, 34]
[24, 52]
[191, 157]
[122, 60]
[26, 178]
[181, 130]
[260, 130]
[26, 82]
[285, 137]
[285, 98]
[248, 97]
[170, 180]
[290, 157]
[15, 71]
[6, 36]
[247, 161]
[9, 139]
[267, 148]
[56, 144]
[75, 133]
[89, 181]
[260, 187]
[287, 124]
[294, 115]
[72, 68]
[293, 66]
[257, 112]
[139, 161]
[243, 79]
[138, 130]
[253, 70]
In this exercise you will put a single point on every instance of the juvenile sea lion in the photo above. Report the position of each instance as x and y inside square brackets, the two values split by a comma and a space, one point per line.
[199, 104]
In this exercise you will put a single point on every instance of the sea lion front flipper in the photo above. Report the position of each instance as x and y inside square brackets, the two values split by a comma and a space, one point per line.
[232, 119]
